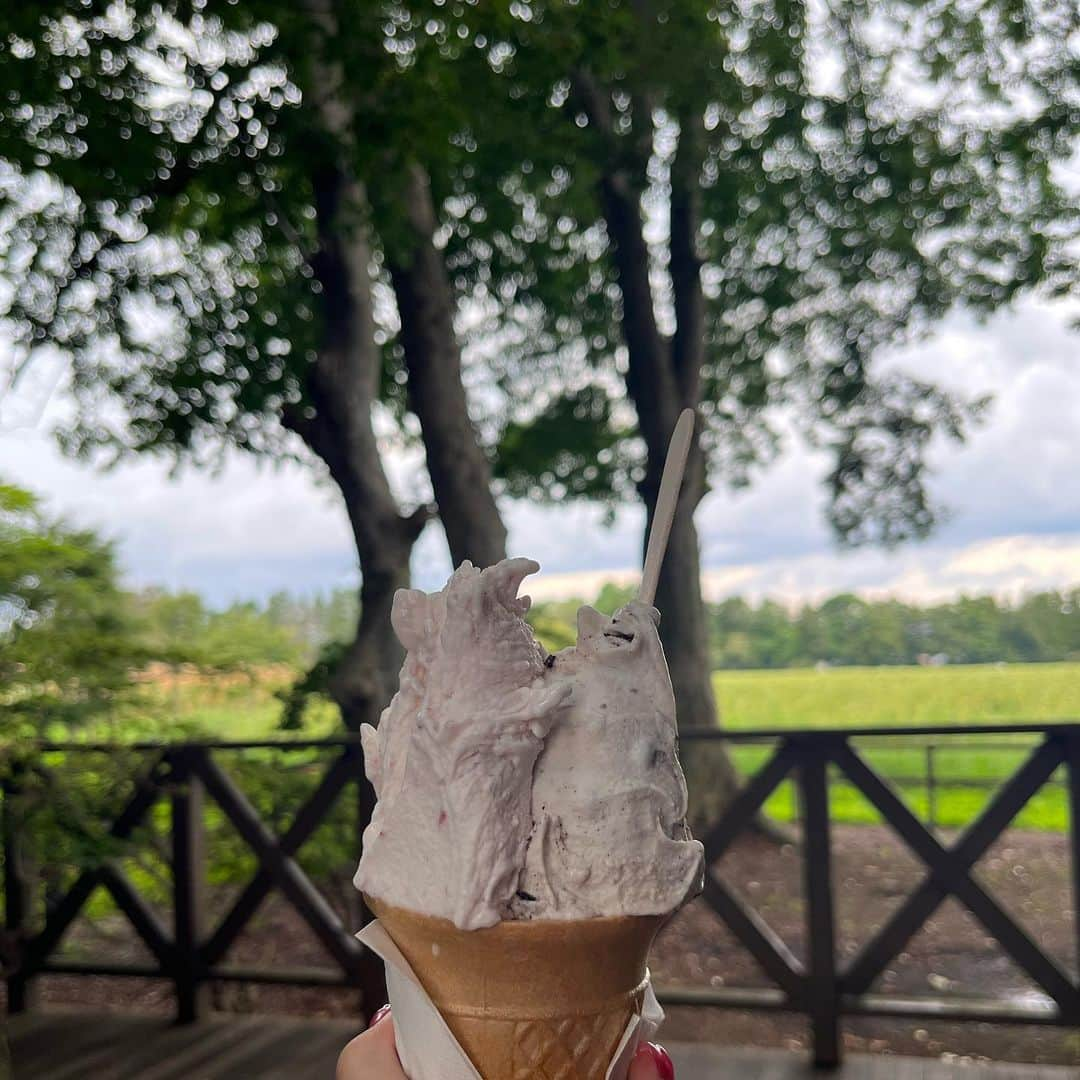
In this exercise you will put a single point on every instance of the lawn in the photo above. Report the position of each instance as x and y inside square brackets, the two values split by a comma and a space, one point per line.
[965, 768]
[887, 696]
[176, 705]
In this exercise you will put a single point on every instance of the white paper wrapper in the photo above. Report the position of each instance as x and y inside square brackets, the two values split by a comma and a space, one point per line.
[426, 1046]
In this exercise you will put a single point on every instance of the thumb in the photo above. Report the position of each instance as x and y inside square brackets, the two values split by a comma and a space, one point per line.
[651, 1062]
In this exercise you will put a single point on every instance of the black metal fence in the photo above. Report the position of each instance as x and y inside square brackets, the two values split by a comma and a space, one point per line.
[191, 953]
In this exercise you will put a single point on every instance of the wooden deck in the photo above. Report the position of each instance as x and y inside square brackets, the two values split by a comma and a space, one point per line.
[66, 1046]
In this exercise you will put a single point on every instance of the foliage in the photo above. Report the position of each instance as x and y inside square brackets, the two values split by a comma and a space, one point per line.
[67, 642]
[179, 628]
[314, 684]
[848, 630]
[159, 167]
[68, 651]
[572, 448]
[138, 163]
[856, 171]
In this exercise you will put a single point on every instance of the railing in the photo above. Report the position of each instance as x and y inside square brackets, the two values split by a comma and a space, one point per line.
[935, 780]
[821, 988]
[191, 954]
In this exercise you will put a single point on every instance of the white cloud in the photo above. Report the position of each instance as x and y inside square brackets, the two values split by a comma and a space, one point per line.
[1012, 489]
[1008, 567]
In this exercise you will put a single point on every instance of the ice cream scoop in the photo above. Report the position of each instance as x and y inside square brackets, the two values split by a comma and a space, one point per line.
[608, 794]
[517, 785]
[452, 759]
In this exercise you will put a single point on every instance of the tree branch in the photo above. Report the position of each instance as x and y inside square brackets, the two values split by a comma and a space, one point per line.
[460, 471]
[650, 378]
[688, 344]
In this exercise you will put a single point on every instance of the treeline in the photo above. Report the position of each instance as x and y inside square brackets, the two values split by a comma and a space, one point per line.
[181, 628]
[843, 630]
[847, 630]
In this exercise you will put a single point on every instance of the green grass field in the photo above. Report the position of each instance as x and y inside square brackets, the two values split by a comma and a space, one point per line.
[887, 696]
[898, 697]
[175, 706]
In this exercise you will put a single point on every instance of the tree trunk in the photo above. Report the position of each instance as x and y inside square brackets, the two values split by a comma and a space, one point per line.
[342, 388]
[664, 377]
[459, 470]
[711, 777]
[683, 627]
[679, 588]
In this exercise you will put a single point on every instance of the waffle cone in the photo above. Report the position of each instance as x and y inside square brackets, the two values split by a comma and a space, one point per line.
[533, 1000]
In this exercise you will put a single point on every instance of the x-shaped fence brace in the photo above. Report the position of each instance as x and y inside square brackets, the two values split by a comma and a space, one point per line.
[185, 955]
[818, 988]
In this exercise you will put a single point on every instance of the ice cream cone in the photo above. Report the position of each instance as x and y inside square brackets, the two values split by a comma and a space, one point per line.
[545, 999]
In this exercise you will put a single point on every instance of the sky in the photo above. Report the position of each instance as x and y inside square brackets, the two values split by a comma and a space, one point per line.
[1013, 494]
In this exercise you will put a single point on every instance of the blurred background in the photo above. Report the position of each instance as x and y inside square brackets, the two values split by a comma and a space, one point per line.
[304, 302]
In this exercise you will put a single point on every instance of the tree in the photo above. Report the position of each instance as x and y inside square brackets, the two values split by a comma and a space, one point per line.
[732, 206]
[67, 642]
[1045, 627]
[737, 207]
[205, 210]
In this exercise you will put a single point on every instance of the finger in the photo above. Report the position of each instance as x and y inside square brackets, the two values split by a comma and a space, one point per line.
[371, 1055]
[651, 1062]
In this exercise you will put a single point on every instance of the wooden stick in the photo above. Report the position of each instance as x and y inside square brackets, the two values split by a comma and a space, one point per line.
[670, 483]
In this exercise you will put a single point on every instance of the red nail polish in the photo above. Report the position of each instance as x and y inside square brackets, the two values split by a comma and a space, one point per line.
[665, 1067]
[382, 1014]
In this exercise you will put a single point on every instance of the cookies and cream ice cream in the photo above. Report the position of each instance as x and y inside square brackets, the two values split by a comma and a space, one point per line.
[515, 784]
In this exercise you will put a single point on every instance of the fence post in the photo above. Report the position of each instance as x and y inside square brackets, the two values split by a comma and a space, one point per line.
[1072, 758]
[931, 786]
[17, 899]
[188, 865]
[823, 1002]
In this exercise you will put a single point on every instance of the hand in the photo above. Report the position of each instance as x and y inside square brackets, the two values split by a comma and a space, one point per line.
[372, 1056]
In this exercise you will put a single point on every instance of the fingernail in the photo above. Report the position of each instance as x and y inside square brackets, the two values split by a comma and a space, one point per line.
[661, 1059]
[382, 1014]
